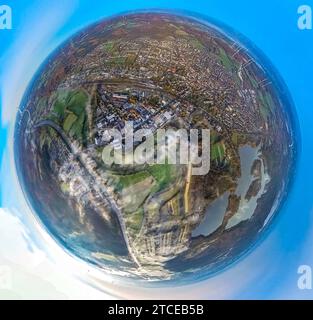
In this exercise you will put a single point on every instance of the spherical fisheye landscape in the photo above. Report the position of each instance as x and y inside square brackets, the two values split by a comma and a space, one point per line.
[155, 221]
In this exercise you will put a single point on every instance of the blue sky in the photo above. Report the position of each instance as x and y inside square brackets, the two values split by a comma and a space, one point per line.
[270, 271]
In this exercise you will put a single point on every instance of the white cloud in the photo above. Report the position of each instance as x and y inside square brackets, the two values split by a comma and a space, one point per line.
[33, 275]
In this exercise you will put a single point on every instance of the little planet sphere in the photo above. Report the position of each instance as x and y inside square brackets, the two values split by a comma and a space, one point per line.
[155, 221]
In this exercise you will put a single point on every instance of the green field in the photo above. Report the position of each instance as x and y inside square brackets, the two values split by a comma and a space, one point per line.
[214, 136]
[196, 43]
[69, 111]
[252, 80]
[108, 46]
[266, 105]
[134, 221]
[116, 61]
[226, 61]
[69, 121]
[218, 152]
[125, 181]
[163, 174]
[217, 147]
